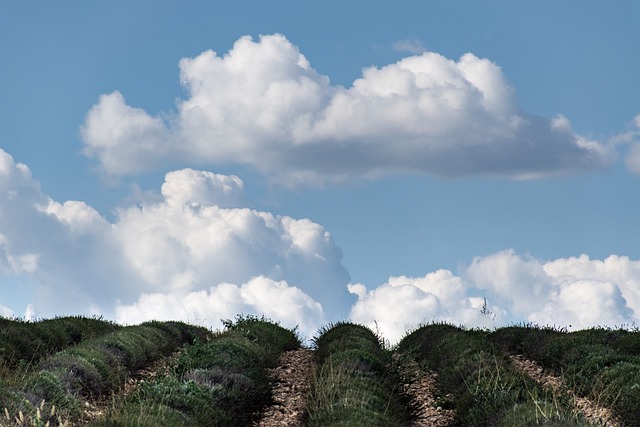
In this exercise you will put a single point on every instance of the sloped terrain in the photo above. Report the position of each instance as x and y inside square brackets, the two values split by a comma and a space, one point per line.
[256, 373]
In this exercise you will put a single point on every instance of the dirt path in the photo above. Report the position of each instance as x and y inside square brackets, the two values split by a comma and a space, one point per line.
[589, 409]
[421, 386]
[292, 380]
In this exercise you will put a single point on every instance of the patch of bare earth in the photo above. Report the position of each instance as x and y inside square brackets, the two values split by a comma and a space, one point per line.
[586, 407]
[291, 383]
[421, 387]
[96, 409]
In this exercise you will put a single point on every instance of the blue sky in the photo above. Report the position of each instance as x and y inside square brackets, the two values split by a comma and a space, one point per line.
[528, 160]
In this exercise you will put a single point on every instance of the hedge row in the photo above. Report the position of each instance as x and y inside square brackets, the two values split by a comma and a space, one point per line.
[23, 344]
[222, 382]
[355, 384]
[601, 364]
[487, 389]
[93, 369]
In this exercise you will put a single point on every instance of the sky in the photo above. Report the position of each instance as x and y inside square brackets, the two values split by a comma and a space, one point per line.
[387, 163]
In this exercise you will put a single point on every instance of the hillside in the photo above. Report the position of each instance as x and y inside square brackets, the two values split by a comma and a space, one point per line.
[77, 371]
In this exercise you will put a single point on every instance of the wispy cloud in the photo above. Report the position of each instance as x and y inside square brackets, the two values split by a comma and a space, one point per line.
[263, 105]
[413, 46]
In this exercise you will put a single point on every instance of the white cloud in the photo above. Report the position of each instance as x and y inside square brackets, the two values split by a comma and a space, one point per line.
[263, 105]
[276, 300]
[620, 270]
[6, 312]
[413, 46]
[199, 235]
[631, 138]
[188, 240]
[198, 253]
[584, 303]
[568, 291]
[632, 160]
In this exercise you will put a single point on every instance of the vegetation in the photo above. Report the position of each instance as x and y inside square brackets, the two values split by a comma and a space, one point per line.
[601, 364]
[59, 385]
[55, 372]
[488, 390]
[219, 382]
[356, 384]
[24, 343]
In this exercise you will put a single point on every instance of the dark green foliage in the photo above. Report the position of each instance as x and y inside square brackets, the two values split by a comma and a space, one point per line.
[544, 344]
[487, 389]
[96, 366]
[24, 343]
[600, 363]
[272, 338]
[217, 382]
[355, 384]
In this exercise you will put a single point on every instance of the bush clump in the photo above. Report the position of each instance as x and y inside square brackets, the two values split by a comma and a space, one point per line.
[487, 390]
[93, 368]
[355, 384]
[219, 382]
[23, 344]
[599, 363]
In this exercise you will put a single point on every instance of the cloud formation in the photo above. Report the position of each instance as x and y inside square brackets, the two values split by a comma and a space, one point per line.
[198, 251]
[263, 105]
[505, 288]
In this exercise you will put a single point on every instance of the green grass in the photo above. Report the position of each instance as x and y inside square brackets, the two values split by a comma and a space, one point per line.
[218, 382]
[599, 363]
[355, 384]
[23, 344]
[92, 369]
[49, 369]
[487, 389]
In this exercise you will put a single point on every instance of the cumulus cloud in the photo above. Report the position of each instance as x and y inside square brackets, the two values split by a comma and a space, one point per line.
[505, 288]
[199, 253]
[274, 299]
[199, 250]
[263, 105]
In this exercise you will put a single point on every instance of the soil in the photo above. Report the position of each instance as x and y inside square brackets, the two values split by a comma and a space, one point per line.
[586, 407]
[421, 387]
[291, 383]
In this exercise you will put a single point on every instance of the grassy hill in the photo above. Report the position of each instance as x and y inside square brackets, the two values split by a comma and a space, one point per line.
[88, 371]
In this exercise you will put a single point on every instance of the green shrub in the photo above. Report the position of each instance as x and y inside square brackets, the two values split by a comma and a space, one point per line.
[354, 384]
[487, 389]
[93, 368]
[619, 388]
[219, 380]
[232, 352]
[272, 338]
[25, 343]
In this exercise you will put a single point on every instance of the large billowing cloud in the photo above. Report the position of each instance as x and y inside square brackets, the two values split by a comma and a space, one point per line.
[197, 253]
[263, 105]
[506, 288]
[261, 295]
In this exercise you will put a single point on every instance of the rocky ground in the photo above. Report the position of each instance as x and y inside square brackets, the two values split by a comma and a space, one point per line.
[292, 379]
[421, 387]
[589, 409]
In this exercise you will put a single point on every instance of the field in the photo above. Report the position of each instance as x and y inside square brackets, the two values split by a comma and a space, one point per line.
[85, 371]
